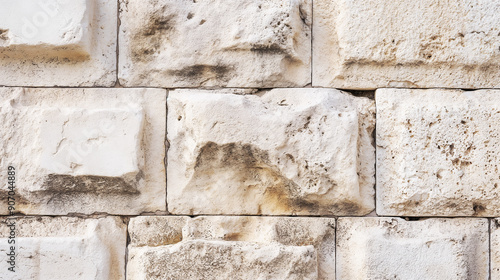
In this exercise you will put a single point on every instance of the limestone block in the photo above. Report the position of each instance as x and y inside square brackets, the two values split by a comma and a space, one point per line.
[231, 248]
[278, 152]
[240, 43]
[368, 44]
[65, 248]
[58, 43]
[85, 150]
[495, 249]
[392, 248]
[438, 152]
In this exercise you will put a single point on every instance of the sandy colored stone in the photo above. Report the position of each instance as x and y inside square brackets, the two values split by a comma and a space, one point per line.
[58, 43]
[392, 248]
[495, 248]
[368, 44]
[84, 150]
[65, 248]
[240, 43]
[231, 248]
[438, 152]
[284, 151]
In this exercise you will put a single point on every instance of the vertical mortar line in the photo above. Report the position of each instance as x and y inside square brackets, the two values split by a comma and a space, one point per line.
[118, 24]
[335, 247]
[489, 248]
[312, 26]
[126, 246]
[166, 147]
[374, 135]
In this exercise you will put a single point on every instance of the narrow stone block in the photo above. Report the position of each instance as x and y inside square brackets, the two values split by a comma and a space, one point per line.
[438, 152]
[392, 248]
[278, 152]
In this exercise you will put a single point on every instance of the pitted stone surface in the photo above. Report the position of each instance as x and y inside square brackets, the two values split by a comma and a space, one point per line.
[284, 151]
[392, 248]
[240, 43]
[438, 152]
[495, 249]
[65, 248]
[362, 44]
[231, 248]
[85, 150]
[58, 43]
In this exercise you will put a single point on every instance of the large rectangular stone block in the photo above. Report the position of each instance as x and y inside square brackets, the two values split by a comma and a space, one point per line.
[278, 152]
[231, 248]
[85, 150]
[368, 44]
[64, 248]
[239, 43]
[392, 248]
[438, 152]
[58, 42]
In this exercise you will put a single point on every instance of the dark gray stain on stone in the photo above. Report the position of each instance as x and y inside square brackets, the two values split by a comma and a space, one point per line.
[199, 71]
[58, 183]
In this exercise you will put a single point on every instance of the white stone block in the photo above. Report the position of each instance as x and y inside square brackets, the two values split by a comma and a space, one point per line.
[368, 44]
[65, 248]
[231, 248]
[85, 150]
[278, 152]
[58, 43]
[58, 26]
[495, 248]
[240, 43]
[392, 248]
[438, 152]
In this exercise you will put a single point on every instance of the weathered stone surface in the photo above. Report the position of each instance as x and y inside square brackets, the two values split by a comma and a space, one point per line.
[58, 43]
[55, 26]
[392, 248]
[382, 43]
[240, 43]
[284, 151]
[85, 150]
[495, 249]
[65, 248]
[438, 152]
[231, 248]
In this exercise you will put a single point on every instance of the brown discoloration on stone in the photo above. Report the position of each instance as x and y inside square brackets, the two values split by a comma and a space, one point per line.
[85, 184]
[150, 39]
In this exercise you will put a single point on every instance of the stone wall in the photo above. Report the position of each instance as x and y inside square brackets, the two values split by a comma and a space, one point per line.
[249, 139]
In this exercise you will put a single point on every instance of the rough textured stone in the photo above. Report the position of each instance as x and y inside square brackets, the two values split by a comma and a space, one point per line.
[58, 43]
[495, 249]
[392, 248]
[284, 151]
[241, 43]
[85, 150]
[231, 248]
[364, 44]
[438, 152]
[65, 248]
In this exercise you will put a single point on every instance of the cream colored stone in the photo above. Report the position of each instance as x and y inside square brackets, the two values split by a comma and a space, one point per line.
[284, 151]
[58, 43]
[85, 150]
[240, 43]
[495, 248]
[438, 152]
[368, 44]
[392, 248]
[231, 248]
[65, 248]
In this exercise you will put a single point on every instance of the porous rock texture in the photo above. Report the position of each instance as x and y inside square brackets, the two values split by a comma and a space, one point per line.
[368, 44]
[392, 248]
[231, 248]
[277, 152]
[63, 248]
[438, 152]
[239, 43]
[84, 150]
[58, 43]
